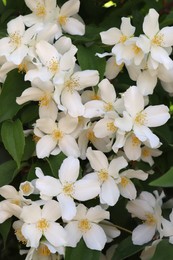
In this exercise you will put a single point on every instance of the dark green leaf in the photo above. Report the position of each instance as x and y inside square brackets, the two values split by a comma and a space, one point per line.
[55, 163]
[29, 148]
[8, 171]
[5, 229]
[88, 60]
[13, 139]
[164, 181]
[164, 250]
[125, 249]
[81, 252]
[13, 86]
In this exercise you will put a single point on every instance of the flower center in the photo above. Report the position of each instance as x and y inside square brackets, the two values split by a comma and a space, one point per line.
[146, 152]
[95, 97]
[108, 107]
[15, 39]
[136, 49]
[150, 219]
[45, 100]
[40, 10]
[42, 224]
[16, 202]
[35, 138]
[62, 20]
[68, 189]
[57, 135]
[22, 68]
[111, 127]
[43, 250]
[26, 188]
[140, 118]
[135, 141]
[84, 225]
[124, 181]
[158, 39]
[53, 65]
[103, 175]
[123, 38]
[71, 84]
[91, 136]
[20, 236]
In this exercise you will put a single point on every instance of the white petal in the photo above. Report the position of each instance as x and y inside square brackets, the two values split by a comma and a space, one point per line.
[167, 33]
[157, 115]
[124, 123]
[82, 193]
[69, 146]
[110, 36]
[97, 159]
[69, 170]
[68, 207]
[86, 78]
[46, 125]
[151, 24]
[18, 55]
[107, 91]
[97, 214]
[95, 238]
[70, 8]
[133, 101]
[129, 191]
[31, 214]
[160, 55]
[46, 52]
[51, 210]
[31, 233]
[56, 234]
[44, 146]
[73, 233]
[116, 165]
[67, 124]
[16, 24]
[48, 186]
[146, 83]
[126, 27]
[143, 133]
[74, 27]
[112, 68]
[8, 192]
[109, 192]
[143, 234]
[132, 148]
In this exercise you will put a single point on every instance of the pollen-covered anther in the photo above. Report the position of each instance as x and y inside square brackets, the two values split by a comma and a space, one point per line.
[15, 39]
[140, 119]
[103, 175]
[72, 84]
[57, 135]
[45, 100]
[124, 181]
[42, 224]
[20, 236]
[158, 39]
[108, 107]
[62, 20]
[84, 225]
[150, 219]
[68, 189]
[40, 10]
[22, 68]
[123, 38]
[53, 65]
[145, 152]
[43, 250]
[91, 136]
[135, 141]
[111, 127]
[35, 138]
[136, 49]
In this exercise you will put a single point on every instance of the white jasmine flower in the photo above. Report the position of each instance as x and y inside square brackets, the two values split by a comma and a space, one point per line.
[147, 208]
[138, 119]
[108, 175]
[85, 224]
[41, 222]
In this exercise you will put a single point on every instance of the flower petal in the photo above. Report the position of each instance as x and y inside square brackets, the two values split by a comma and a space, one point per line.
[56, 234]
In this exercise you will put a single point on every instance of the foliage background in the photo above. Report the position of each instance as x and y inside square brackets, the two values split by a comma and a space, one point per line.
[17, 163]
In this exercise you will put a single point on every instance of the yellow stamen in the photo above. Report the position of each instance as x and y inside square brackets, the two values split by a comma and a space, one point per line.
[26, 187]
[68, 189]
[108, 107]
[95, 97]
[150, 219]
[123, 38]
[136, 49]
[103, 175]
[140, 118]
[22, 68]
[72, 84]
[124, 181]
[45, 100]
[43, 250]
[15, 39]
[84, 225]
[35, 138]
[62, 20]
[16, 202]
[135, 141]
[145, 152]
[40, 10]
[91, 136]
[57, 135]
[158, 39]
[111, 127]
[53, 65]
[42, 224]
[20, 236]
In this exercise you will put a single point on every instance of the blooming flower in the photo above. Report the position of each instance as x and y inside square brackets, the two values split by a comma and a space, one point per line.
[41, 222]
[85, 224]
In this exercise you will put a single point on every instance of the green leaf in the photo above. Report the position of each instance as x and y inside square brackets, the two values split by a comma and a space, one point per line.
[81, 252]
[88, 60]
[5, 229]
[164, 181]
[8, 171]
[125, 249]
[4, 2]
[164, 250]
[29, 148]
[13, 86]
[13, 139]
[55, 163]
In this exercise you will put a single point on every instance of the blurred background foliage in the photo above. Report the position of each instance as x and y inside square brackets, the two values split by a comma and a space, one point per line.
[98, 15]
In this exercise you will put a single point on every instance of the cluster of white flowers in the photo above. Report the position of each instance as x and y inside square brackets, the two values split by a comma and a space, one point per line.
[105, 128]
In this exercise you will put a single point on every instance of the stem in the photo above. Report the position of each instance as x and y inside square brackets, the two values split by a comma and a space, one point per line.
[124, 229]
